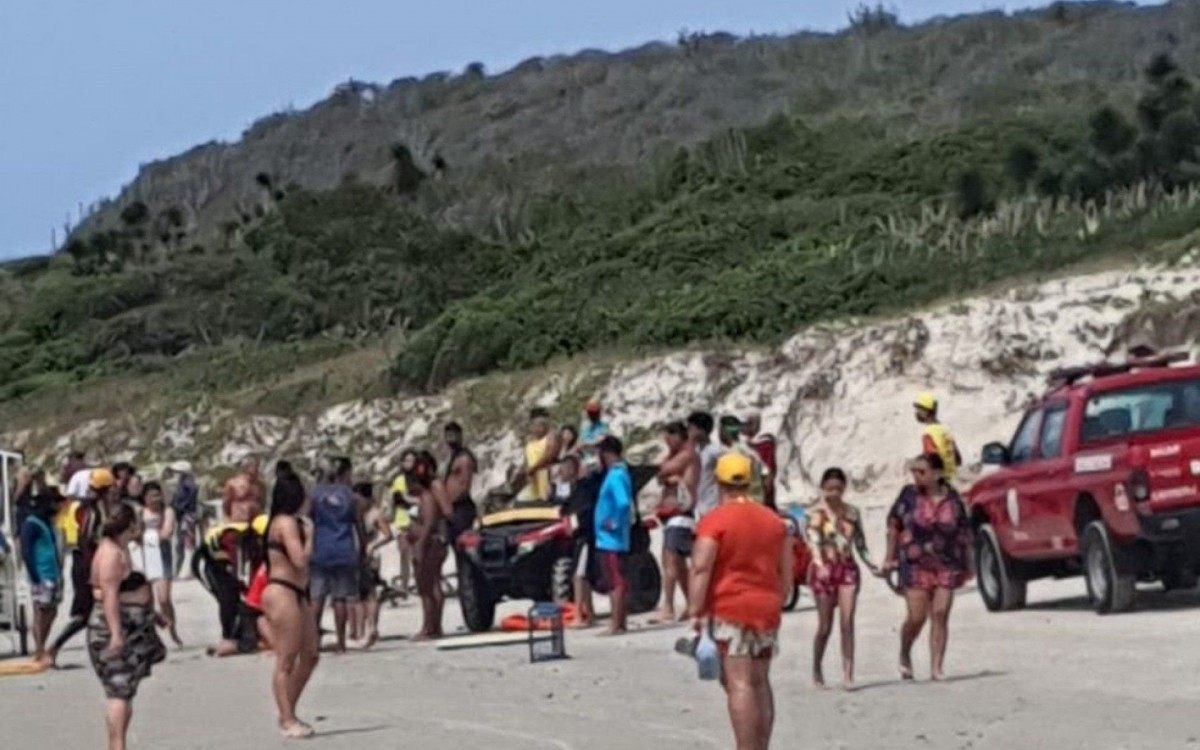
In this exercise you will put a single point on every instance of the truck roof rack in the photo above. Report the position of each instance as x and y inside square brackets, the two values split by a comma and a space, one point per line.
[1067, 376]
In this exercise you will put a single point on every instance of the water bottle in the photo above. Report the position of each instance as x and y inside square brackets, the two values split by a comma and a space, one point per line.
[708, 658]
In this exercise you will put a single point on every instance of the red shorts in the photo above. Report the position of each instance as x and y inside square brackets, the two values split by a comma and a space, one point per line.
[610, 572]
[827, 579]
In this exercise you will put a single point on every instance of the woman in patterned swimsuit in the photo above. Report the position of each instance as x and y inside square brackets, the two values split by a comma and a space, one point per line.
[929, 540]
[121, 639]
[834, 534]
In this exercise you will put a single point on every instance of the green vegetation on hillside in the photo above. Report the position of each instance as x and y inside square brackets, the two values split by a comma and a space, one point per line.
[817, 213]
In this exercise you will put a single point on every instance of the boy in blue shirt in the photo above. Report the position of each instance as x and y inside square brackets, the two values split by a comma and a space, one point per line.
[613, 525]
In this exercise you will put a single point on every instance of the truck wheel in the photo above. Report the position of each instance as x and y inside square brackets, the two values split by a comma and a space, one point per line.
[1110, 585]
[475, 597]
[644, 580]
[562, 581]
[1000, 588]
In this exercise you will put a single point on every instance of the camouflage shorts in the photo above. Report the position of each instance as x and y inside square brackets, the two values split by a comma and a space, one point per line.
[736, 640]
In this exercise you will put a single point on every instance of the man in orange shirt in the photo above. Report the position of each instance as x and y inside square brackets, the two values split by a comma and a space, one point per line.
[741, 575]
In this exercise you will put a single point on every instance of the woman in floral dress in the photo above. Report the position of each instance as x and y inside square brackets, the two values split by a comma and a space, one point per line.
[929, 541]
[834, 533]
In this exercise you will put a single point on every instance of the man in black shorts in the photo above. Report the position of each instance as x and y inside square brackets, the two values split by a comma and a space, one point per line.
[460, 474]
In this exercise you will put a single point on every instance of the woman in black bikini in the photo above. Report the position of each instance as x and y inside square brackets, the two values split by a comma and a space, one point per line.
[285, 603]
[429, 537]
[121, 640]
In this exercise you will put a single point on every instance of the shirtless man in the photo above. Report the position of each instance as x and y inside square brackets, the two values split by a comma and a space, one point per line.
[429, 541]
[679, 476]
[244, 494]
[460, 474]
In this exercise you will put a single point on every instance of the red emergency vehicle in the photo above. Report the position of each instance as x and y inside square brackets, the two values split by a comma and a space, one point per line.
[1101, 478]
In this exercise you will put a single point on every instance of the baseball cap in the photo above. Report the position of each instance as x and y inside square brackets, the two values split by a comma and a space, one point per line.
[730, 423]
[734, 470]
[101, 479]
[180, 467]
[592, 407]
[926, 402]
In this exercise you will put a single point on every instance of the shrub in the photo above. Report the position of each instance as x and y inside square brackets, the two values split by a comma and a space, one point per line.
[1022, 164]
[1110, 133]
[135, 213]
[408, 176]
[971, 193]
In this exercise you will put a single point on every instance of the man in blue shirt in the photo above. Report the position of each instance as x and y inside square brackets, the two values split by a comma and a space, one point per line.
[334, 567]
[613, 525]
[43, 565]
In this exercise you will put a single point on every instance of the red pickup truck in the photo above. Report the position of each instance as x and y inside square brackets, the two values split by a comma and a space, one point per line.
[1102, 478]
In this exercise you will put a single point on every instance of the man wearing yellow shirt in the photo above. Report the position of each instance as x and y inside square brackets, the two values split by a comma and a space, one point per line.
[541, 452]
[935, 436]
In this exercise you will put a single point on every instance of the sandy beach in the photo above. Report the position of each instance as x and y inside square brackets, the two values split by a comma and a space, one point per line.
[1053, 676]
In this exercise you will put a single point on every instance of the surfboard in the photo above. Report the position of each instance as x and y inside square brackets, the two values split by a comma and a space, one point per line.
[481, 640]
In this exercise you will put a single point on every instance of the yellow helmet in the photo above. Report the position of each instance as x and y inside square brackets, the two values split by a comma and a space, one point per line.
[734, 469]
[259, 524]
[926, 402]
[400, 486]
[101, 479]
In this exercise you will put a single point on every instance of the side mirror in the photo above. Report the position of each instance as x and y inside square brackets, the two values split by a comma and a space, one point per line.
[995, 454]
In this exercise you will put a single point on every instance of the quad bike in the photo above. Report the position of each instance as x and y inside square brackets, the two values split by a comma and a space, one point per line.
[527, 551]
[801, 560]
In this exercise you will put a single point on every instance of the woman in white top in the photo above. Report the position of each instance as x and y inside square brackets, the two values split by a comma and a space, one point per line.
[158, 533]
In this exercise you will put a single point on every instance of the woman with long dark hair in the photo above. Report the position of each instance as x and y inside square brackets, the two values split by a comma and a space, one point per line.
[121, 638]
[429, 542]
[835, 534]
[285, 600]
[929, 541]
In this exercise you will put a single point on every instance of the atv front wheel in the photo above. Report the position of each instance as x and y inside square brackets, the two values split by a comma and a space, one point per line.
[645, 582]
[475, 597]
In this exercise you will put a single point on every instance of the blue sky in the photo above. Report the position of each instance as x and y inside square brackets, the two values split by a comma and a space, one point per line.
[93, 88]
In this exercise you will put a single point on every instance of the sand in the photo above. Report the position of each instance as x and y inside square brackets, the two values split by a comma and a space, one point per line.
[1054, 676]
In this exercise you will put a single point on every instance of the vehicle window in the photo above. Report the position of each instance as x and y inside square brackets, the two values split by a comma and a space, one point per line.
[1050, 446]
[1165, 406]
[1021, 449]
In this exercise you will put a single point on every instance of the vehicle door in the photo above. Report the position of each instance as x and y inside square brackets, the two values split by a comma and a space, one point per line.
[1047, 493]
[1019, 476]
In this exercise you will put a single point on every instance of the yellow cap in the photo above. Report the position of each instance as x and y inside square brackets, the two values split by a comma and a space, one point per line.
[734, 469]
[926, 402]
[101, 479]
[259, 524]
[400, 486]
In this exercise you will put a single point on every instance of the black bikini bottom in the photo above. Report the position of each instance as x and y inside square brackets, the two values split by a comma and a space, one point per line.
[301, 594]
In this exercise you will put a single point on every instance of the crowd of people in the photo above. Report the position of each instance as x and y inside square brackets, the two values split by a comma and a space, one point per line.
[275, 561]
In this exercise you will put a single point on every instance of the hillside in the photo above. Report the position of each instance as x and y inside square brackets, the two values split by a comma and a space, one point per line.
[719, 191]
